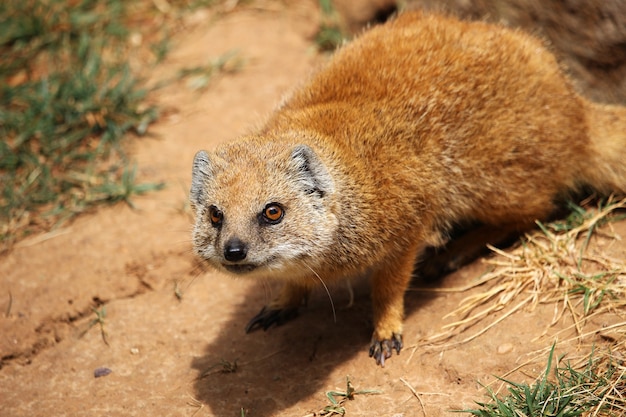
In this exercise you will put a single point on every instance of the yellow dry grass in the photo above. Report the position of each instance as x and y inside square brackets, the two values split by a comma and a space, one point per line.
[567, 265]
[552, 265]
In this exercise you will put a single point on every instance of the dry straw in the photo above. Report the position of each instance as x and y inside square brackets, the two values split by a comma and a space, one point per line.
[553, 265]
[556, 265]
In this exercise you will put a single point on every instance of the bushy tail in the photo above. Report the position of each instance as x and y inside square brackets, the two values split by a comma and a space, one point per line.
[606, 169]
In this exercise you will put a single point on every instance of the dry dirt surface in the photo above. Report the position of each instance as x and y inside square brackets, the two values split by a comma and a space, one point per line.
[119, 289]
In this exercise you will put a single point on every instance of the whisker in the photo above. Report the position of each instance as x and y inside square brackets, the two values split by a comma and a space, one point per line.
[350, 293]
[182, 285]
[198, 269]
[332, 304]
[267, 290]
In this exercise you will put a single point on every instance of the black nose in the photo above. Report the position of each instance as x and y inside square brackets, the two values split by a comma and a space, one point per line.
[235, 250]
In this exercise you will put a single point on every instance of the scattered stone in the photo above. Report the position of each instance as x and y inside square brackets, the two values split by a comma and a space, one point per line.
[101, 372]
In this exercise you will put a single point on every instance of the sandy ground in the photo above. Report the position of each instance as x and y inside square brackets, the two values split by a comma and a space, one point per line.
[170, 355]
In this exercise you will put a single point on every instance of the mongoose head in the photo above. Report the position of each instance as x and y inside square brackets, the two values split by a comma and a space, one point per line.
[262, 208]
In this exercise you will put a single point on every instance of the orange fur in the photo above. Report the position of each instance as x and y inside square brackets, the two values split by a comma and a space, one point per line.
[419, 124]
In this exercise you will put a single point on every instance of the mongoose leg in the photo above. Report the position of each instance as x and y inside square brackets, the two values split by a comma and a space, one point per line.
[389, 284]
[462, 250]
[282, 309]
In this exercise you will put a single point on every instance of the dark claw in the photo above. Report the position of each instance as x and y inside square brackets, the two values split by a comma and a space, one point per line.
[269, 317]
[382, 349]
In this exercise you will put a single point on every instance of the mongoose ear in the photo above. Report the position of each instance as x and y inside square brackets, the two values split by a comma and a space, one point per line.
[200, 173]
[311, 171]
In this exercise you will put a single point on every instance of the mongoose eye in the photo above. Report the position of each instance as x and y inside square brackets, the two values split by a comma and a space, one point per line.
[215, 216]
[273, 213]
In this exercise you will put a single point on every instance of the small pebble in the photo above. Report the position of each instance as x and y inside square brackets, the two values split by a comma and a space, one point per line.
[505, 348]
[101, 372]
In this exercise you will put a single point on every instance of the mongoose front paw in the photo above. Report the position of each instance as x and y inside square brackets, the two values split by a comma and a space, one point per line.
[382, 349]
[268, 317]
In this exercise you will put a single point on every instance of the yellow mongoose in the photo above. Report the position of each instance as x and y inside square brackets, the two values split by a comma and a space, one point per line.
[418, 124]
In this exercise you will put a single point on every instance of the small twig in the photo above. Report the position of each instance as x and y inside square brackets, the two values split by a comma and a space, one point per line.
[415, 394]
[8, 312]
[195, 403]
[613, 388]
[41, 238]
[230, 367]
[177, 291]
[482, 331]
[100, 315]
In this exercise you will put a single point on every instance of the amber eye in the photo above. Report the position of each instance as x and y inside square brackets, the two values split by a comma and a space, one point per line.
[215, 216]
[273, 213]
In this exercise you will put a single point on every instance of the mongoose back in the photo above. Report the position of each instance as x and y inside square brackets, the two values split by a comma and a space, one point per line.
[418, 124]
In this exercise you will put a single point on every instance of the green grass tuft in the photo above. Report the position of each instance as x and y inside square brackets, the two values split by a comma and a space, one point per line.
[67, 98]
[595, 390]
[331, 34]
[336, 406]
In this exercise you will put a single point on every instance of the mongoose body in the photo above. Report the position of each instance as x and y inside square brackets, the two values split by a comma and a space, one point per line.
[417, 125]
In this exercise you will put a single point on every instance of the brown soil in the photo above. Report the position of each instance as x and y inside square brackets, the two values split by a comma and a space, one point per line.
[172, 356]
